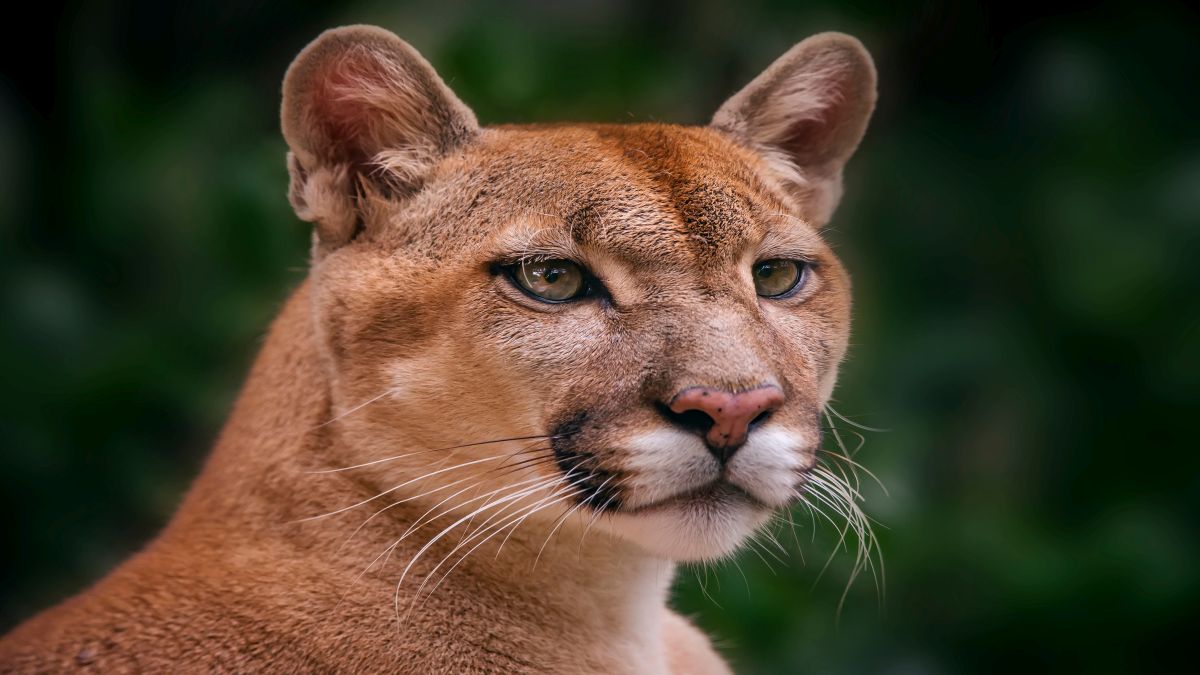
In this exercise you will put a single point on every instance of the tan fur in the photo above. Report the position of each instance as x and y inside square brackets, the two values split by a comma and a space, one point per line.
[405, 342]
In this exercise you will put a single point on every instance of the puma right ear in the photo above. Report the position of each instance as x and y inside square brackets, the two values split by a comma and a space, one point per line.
[363, 113]
[806, 113]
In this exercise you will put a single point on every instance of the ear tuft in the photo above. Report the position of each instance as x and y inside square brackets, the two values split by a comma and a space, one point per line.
[362, 106]
[807, 113]
[324, 196]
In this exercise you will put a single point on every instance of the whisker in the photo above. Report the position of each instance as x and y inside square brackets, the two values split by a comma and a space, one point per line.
[438, 536]
[411, 529]
[704, 584]
[508, 499]
[519, 494]
[514, 519]
[753, 546]
[791, 522]
[561, 519]
[387, 552]
[558, 480]
[527, 463]
[402, 501]
[859, 467]
[564, 490]
[514, 529]
[355, 409]
[829, 501]
[487, 505]
[737, 566]
[770, 537]
[421, 522]
[842, 483]
[397, 487]
[445, 449]
[814, 509]
[853, 423]
[603, 507]
[825, 482]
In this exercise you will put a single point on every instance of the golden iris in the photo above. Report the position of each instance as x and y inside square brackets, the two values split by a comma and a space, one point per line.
[551, 280]
[776, 277]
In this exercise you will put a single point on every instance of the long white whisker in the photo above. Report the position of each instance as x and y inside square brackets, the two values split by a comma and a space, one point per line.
[429, 544]
[853, 423]
[388, 551]
[859, 467]
[405, 500]
[514, 519]
[355, 409]
[439, 535]
[842, 529]
[817, 490]
[843, 492]
[502, 513]
[397, 487]
[753, 546]
[790, 521]
[421, 452]
[600, 511]
[568, 487]
[868, 544]
[421, 522]
[767, 534]
[562, 519]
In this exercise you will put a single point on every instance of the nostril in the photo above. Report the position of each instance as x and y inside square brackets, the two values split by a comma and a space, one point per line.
[762, 417]
[691, 420]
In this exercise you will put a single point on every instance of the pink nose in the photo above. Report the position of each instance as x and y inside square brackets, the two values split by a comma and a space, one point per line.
[729, 415]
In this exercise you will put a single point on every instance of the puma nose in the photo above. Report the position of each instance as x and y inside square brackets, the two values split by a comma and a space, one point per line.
[724, 418]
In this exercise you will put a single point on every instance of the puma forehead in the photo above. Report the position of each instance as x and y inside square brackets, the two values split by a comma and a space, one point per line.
[643, 192]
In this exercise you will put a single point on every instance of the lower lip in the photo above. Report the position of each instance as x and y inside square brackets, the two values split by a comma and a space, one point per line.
[718, 493]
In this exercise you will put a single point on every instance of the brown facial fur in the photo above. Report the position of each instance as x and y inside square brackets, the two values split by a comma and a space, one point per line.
[393, 374]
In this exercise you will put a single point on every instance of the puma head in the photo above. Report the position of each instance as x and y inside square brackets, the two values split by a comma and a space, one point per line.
[640, 323]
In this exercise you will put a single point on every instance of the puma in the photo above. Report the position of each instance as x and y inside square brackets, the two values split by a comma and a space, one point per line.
[530, 370]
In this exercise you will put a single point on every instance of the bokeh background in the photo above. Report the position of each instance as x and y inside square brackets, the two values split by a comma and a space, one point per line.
[1022, 223]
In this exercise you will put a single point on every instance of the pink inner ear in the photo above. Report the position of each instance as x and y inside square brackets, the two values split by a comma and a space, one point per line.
[341, 104]
[814, 141]
[817, 136]
[804, 137]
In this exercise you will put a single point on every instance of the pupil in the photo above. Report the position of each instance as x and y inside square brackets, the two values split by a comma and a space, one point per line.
[552, 275]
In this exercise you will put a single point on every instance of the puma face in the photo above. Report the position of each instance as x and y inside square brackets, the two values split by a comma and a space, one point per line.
[636, 325]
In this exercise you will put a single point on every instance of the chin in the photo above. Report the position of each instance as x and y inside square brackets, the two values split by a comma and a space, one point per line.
[691, 528]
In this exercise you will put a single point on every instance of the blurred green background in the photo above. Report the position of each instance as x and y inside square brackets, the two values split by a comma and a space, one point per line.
[1022, 223]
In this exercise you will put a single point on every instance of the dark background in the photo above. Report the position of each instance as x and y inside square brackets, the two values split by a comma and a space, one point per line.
[1022, 223]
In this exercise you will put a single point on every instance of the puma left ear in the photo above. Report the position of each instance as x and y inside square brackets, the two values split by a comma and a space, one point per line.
[807, 113]
[364, 115]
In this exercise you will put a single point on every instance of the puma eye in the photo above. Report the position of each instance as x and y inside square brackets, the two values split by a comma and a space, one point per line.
[550, 280]
[777, 277]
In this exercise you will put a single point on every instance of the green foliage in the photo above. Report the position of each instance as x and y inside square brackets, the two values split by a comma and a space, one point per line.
[1022, 224]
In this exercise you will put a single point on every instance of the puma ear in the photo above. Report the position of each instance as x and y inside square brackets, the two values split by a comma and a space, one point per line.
[363, 115]
[806, 113]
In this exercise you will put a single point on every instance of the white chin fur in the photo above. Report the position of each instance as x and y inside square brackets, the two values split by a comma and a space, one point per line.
[667, 463]
[689, 531]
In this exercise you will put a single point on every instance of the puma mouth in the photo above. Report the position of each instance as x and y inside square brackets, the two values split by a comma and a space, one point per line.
[718, 493]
